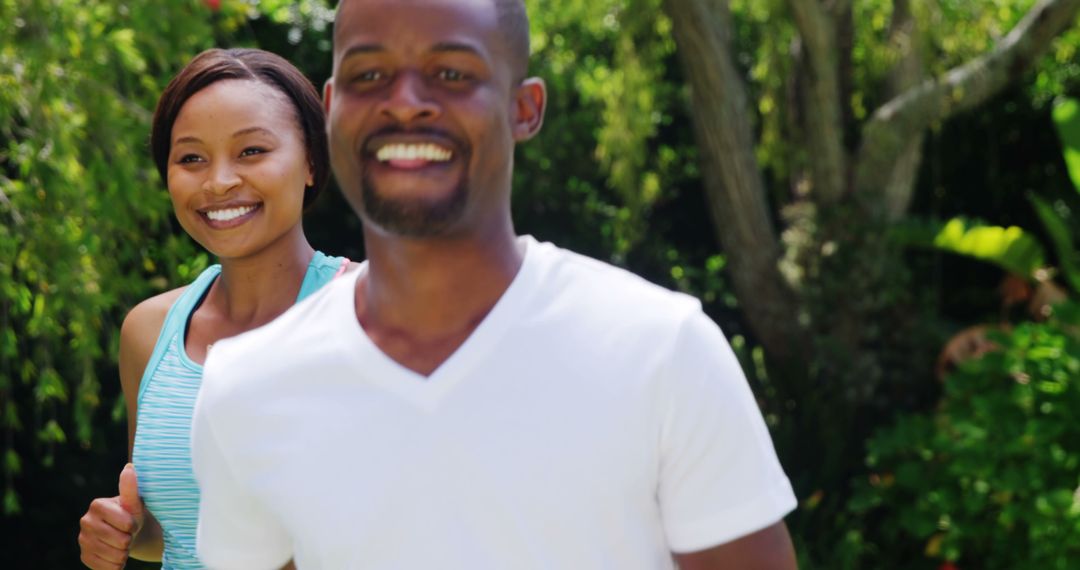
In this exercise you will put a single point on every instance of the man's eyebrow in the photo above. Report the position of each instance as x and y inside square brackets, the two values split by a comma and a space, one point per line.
[443, 47]
[362, 49]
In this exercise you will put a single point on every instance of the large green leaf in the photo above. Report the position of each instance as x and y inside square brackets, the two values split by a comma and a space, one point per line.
[1067, 119]
[1010, 248]
[1061, 236]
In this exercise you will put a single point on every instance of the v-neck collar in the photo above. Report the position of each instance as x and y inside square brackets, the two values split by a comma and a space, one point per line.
[427, 391]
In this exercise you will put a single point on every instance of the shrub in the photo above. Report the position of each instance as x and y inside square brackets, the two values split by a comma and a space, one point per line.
[990, 478]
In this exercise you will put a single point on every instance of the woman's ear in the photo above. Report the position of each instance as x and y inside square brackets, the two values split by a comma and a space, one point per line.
[530, 99]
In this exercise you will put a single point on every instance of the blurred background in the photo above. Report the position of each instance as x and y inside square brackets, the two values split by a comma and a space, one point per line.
[877, 201]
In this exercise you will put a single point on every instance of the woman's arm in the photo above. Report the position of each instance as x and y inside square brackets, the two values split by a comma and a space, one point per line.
[112, 529]
[138, 335]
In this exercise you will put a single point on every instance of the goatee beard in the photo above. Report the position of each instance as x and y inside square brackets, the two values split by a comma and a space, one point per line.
[415, 218]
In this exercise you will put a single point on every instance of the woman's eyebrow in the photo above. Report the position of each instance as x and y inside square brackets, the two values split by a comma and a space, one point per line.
[237, 134]
[250, 130]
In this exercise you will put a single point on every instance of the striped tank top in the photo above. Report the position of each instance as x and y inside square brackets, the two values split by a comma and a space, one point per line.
[170, 383]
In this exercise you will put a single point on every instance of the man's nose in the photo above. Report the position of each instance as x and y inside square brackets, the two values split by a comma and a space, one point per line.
[409, 100]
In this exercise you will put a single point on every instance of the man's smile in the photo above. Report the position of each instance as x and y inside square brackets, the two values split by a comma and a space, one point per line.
[425, 154]
[411, 156]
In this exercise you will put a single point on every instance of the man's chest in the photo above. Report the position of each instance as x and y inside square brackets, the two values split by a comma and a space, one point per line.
[379, 468]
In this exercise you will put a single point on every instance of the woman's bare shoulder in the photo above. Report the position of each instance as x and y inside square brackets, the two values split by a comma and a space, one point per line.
[140, 331]
[138, 335]
[149, 315]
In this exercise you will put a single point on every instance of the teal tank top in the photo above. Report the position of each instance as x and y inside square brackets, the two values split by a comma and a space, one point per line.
[170, 383]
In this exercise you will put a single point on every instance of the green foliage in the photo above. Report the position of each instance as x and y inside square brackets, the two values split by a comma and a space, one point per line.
[990, 478]
[763, 38]
[1066, 116]
[606, 65]
[85, 230]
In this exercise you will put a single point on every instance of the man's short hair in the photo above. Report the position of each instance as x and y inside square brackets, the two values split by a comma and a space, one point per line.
[514, 24]
[513, 21]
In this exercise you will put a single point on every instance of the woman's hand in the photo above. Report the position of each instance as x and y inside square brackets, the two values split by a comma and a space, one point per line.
[110, 525]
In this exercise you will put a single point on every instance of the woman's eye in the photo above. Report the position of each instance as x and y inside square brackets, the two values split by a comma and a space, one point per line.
[252, 150]
[189, 158]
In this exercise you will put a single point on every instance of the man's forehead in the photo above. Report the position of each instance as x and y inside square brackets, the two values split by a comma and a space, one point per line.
[356, 13]
[348, 3]
[416, 27]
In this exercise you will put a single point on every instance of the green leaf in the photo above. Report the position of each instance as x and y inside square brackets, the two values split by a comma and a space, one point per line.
[1010, 248]
[1061, 237]
[52, 433]
[12, 463]
[1066, 115]
[11, 502]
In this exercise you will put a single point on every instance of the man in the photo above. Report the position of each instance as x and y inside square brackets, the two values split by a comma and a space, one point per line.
[470, 398]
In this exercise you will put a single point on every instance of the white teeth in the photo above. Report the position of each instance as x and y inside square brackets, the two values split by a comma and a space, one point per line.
[428, 152]
[228, 213]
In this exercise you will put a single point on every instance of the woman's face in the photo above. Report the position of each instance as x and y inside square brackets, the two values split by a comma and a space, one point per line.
[238, 168]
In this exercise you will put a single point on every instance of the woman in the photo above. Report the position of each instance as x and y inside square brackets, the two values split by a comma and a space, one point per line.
[238, 137]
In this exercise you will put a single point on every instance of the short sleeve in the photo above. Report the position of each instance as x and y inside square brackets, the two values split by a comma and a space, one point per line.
[235, 530]
[720, 478]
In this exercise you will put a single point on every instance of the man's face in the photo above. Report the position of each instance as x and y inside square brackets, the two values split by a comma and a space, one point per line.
[423, 113]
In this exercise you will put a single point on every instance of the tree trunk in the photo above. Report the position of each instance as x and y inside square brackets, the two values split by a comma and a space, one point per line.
[734, 186]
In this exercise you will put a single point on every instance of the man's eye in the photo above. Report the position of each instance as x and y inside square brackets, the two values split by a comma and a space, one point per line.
[366, 76]
[252, 150]
[451, 75]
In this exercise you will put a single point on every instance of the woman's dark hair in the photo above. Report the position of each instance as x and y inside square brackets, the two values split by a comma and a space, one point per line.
[215, 65]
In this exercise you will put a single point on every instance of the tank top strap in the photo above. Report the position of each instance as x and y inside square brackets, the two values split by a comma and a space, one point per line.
[322, 269]
[175, 320]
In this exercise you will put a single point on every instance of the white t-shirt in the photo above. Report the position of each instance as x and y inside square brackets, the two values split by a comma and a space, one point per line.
[592, 421]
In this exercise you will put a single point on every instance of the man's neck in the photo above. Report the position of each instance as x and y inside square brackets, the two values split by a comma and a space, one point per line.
[422, 298]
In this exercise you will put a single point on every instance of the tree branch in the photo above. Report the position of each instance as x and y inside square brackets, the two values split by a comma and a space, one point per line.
[733, 183]
[905, 74]
[898, 122]
[824, 120]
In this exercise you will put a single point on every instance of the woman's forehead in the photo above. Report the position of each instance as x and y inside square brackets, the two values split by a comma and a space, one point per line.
[224, 104]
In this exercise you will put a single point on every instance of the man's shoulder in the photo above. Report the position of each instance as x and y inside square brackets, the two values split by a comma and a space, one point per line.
[606, 286]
